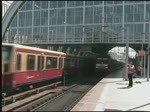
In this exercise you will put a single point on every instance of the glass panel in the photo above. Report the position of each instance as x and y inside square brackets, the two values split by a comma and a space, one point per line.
[61, 17]
[108, 2]
[88, 3]
[30, 62]
[70, 3]
[29, 5]
[12, 34]
[78, 3]
[18, 62]
[52, 17]
[97, 2]
[51, 62]
[23, 7]
[28, 18]
[37, 4]
[36, 34]
[44, 17]
[44, 33]
[117, 2]
[6, 53]
[14, 22]
[89, 15]
[61, 4]
[44, 4]
[37, 18]
[97, 14]
[148, 8]
[22, 18]
[53, 4]
[27, 35]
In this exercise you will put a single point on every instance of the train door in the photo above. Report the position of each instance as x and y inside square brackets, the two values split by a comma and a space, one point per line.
[40, 64]
[61, 66]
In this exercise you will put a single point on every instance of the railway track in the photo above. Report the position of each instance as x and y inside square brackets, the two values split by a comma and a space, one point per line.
[6, 100]
[60, 98]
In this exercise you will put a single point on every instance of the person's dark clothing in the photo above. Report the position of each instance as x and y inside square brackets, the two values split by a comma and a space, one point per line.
[130, 79]
[130, 74]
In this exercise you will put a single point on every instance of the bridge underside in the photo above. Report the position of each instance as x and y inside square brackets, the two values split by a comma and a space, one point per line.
[97, 48]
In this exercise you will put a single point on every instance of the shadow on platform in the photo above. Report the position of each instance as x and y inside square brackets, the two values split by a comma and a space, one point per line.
[112, 110]
[138, 107]
[125, 87]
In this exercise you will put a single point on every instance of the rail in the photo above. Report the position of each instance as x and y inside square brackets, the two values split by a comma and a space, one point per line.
[13, 98]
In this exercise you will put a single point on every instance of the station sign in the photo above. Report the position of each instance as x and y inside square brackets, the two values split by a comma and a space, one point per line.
[141, 53]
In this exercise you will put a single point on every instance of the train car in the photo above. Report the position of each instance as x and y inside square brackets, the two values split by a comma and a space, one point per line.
[103, 63]
[26, 67]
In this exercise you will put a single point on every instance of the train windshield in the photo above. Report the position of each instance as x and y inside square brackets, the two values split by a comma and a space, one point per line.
[6, 50]
[102, 60]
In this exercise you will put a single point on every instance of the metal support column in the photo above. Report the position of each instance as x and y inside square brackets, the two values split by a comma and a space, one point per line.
[127, 52]
[142, 57]
[148, 67]
[144, 65]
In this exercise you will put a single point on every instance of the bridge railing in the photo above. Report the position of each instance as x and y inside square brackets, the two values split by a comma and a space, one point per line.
[79, 40]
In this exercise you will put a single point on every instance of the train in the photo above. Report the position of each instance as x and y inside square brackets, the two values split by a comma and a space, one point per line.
[27, 66]
[105, 64]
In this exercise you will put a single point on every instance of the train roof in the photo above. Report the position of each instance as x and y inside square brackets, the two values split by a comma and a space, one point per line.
[32, 48]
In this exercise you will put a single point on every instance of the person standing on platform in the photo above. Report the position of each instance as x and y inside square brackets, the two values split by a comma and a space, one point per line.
[131, 70]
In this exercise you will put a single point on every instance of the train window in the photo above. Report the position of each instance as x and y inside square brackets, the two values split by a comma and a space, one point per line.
[51, 62]
[30, 62]
[18, 62]
[6, 53]
[40, 62]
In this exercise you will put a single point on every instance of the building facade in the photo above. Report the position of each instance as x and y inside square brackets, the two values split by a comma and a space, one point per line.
[5, 6]
[79, 22]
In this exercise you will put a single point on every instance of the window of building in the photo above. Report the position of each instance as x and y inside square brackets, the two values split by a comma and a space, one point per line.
[89, 15]
[30, 62]
[61, 4]
[28, 19]
[87, 3]
[29, 5]
[70, 3]
[22, 19]
[44, 17]
[53, 4]
[14, 22]
[44, 4]
[37, 4]
[78, 3]
[98, 2]
[37, 18]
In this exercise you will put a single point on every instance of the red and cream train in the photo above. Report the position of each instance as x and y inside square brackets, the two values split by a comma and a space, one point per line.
[23, 66]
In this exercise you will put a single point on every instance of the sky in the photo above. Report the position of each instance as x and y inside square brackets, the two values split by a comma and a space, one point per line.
[121, 51]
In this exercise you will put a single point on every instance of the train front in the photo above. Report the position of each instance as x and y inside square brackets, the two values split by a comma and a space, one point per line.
[6, 68]
[102, 64]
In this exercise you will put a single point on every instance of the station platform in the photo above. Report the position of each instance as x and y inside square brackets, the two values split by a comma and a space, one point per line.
[112, 94]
